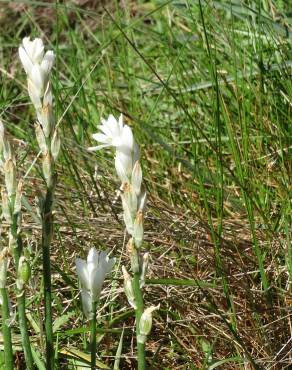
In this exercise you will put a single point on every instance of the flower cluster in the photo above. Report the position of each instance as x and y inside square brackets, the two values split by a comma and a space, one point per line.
[116, 134]
[91, 274]
[11, 195]
[37, 65]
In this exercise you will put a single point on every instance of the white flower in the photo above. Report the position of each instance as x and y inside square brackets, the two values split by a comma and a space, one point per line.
[37, 66]
[31, 52]
[92, 274]
[114, 133]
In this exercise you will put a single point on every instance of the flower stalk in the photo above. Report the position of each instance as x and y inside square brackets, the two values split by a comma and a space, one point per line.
[11, 205]
[6, 330]
[93, 336]
[37, 66]
[114, 133]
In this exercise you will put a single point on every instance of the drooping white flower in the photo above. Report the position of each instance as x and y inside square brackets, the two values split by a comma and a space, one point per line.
[92, 274]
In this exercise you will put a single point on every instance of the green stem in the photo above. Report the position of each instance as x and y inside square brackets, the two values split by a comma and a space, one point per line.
[138, 312]
[93, 336]
[21, 300]
[8, 353]
[24, 332]
[47, 233]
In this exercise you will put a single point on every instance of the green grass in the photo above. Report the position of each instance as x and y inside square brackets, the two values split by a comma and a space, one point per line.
[207, 88]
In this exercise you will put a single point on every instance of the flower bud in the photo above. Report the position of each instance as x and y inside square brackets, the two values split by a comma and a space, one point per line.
[2, 135]
[137, 178]
[12, 242]
[142, 200]
[41, 139]
[127, 215]
[129, 288]
[47, 168]
[145, 264]
[145, 323]
[55, 145]
[18, 197]
[46, 119]
[6, 207]
[10, 177]
[138, 229]
[34, 94]
[134, 258]
[130, 198]
[23, 270]
[3, 267]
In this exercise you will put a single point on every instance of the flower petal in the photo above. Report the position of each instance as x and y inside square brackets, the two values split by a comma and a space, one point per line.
[98, 147]
[48, 61]
[25, 60]
[81, 269]
[127, 139]
[101, 138]
[86, 303]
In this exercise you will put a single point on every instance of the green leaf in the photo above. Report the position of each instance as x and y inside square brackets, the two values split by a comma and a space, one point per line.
[62, 320]
[79, 355]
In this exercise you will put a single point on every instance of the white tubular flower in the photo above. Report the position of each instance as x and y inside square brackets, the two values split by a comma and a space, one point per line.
[31, 52]
[112, 133]
[92, 274]
[118, 135]
[37, 66]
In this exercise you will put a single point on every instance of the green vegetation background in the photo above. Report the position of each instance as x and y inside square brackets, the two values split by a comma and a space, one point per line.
[207, 88]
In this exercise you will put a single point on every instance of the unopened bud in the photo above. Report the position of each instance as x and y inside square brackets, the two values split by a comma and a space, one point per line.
[18, 197]
[23, 270]
[10, 177]
[47, 168]
[128, 286]
[136, 179]
[6, 207]
[127, 215]
[134, 258]
[3, 266]
[130, 198]
[138, 229]
[145, 324]
[41, 139]
[55, 145]
[46, 119]
[145, 264]
[2, 133]
[142, 200]
[7, 152]
[12, 243]
[35, 94]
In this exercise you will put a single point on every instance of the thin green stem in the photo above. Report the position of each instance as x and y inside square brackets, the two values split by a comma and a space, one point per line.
[8, 352]
[138, 312]
[21, 300]
[47, 233]
[93, 336]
